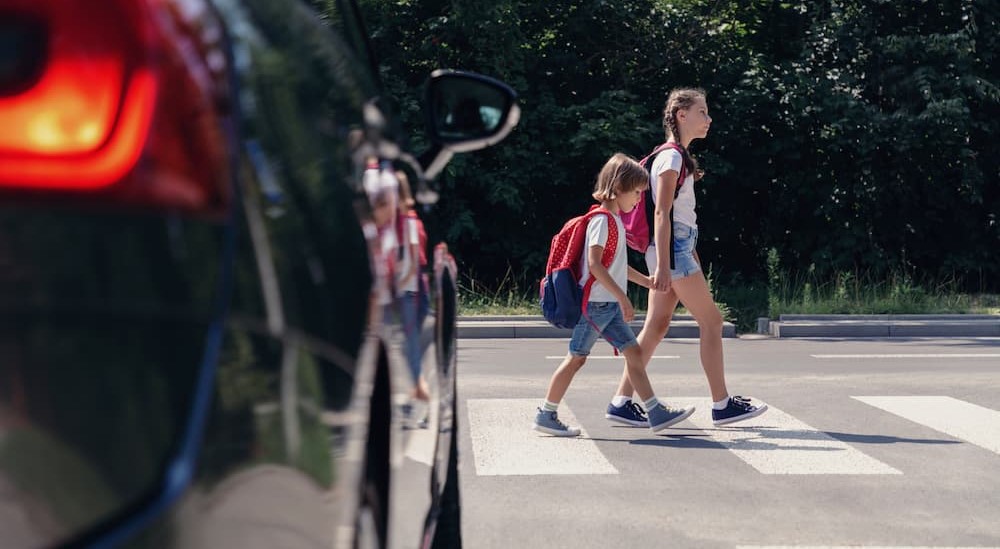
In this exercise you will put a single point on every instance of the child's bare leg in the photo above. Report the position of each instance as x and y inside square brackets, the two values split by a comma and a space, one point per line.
[635, 369]
[697, 298]
[694, 293]
[660, 312]
[563, 376]
[547, 420]
[661, 416]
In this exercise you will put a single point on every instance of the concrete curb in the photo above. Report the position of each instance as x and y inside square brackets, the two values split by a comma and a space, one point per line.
[787, 326]
[530, 327]
[885, 326]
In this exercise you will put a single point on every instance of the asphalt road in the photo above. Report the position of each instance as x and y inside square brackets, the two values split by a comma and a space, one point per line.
[876, 443]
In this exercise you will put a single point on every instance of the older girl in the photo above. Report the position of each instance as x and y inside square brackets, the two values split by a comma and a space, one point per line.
[685, 118]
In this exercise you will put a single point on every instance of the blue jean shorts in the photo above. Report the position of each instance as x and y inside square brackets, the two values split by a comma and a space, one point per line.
[685, 241]
[607, 315]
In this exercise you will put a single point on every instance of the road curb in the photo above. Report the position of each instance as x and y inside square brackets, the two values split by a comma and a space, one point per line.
[536, 327]
[787, 326]
[885, 326]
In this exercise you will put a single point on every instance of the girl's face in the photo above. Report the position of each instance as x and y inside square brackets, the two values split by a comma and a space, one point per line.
[695, 120]
[627, 201]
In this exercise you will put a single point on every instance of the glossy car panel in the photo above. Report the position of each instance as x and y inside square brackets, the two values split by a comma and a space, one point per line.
[196, 356]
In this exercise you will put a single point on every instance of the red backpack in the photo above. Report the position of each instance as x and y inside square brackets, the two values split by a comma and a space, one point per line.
[562, 299]
[639, 222]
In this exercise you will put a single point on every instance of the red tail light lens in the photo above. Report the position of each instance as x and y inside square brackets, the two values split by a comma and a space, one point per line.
[110, 95]
[83, 122]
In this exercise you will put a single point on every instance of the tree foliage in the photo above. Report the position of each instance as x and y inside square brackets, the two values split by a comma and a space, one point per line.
[848, 135]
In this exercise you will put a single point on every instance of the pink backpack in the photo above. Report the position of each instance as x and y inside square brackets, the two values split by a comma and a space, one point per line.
[639, 222]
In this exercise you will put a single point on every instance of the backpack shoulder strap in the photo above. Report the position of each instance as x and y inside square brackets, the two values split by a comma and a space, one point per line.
[647, 161]
[612, 243]
[611, 246]
[682, 175]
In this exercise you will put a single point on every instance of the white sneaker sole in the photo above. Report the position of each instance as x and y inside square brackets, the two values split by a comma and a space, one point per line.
[687, 413]
[556, 432]
[761, 408]
[623, 421]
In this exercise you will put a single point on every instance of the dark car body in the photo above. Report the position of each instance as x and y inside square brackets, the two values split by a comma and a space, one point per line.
[191, 352]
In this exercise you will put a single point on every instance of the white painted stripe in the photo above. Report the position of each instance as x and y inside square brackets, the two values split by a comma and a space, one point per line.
[420, 445]
[560, 357]
[776, 443]
[504, 443]
[922, 355]
[856, 547]
[969, 422]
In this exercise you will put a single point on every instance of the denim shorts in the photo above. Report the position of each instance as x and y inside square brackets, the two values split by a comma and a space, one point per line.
[607, 315]
[685, 241]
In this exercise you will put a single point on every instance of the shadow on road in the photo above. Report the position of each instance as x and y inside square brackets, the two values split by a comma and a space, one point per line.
[763, 438]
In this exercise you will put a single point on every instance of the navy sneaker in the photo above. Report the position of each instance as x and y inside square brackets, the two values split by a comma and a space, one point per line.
[629, 413]
[738, 409]
[548, 422]
[664, 416]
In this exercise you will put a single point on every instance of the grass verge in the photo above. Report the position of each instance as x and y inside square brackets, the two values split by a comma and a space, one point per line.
[742, 301]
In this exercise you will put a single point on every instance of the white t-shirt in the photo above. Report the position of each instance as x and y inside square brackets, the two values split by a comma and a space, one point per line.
[411, 236]
[670, 159]
[597, 235]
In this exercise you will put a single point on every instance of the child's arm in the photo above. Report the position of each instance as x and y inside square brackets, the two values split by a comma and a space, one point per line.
[639, 278]
[666, 184]
[601, 274]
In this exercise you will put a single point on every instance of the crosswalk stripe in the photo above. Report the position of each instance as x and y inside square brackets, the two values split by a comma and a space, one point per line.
[776, 443]
[592, 357]
[856, 547]
[420, 445]
[504, 444]
[915, 355]
[963, 420]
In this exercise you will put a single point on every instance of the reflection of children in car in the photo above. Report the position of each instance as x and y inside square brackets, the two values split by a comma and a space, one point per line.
[399, 247]
[409, 281]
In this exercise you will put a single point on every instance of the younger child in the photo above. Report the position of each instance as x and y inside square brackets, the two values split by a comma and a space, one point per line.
[618, 189]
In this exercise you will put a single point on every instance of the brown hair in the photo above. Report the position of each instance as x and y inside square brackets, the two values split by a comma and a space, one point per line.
[680, 98]
[620, 174]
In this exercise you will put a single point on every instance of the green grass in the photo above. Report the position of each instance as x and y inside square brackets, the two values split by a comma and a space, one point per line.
[850, 294]
[509, 297]
[742, 301]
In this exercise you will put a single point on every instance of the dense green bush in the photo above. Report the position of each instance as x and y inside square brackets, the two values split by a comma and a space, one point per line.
[850, 136]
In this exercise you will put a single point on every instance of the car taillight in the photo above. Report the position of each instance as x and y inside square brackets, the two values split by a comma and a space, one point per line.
[118, 98]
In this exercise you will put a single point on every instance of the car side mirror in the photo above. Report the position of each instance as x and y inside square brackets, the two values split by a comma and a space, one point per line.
[465, 112]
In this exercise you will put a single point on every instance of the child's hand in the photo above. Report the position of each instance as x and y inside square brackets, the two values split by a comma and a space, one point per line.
[660, 283]
[628, 311]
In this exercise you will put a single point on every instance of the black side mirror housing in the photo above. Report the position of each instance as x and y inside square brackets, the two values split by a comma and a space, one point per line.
[465, 112]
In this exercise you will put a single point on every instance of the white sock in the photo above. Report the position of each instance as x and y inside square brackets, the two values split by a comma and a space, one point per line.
[619, 400]
[721, 405]
[550, 406]
[653, 402]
